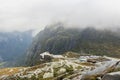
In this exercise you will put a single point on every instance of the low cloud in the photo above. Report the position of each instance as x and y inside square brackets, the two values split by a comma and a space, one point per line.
[35, 14]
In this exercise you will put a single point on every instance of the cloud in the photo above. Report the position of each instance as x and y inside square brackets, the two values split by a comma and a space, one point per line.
[35, 14]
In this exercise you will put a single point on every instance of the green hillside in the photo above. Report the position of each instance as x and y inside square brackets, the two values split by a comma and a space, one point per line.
[56, 39]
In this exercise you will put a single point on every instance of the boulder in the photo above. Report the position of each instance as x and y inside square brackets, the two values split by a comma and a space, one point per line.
[112, 76]
[48, 75]
[62, 70]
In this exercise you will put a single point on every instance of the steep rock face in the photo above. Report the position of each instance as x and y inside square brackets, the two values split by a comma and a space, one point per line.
[56, 39]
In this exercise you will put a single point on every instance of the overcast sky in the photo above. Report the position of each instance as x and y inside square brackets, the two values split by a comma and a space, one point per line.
[35, 14]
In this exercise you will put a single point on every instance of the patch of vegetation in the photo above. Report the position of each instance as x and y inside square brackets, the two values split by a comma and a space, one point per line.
[69, 69]
[79, 67]
[71, 55]
[87, 64]
[9, 71]
[93, 77]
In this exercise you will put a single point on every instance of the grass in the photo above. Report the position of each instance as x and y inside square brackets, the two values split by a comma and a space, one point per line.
[9, 71]
[71, 55]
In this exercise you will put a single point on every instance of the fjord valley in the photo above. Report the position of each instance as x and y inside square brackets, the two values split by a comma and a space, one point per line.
[59, 39]
[61, 53]
[13, 46]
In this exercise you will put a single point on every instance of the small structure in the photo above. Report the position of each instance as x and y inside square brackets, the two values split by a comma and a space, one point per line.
[46, 57]
[51, 55]
[45, 54]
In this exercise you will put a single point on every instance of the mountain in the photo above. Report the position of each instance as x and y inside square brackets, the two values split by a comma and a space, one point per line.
[57, 39]
[13, 45]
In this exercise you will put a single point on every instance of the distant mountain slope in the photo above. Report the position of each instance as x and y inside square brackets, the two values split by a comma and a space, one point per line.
[56, 39]
[14, 44]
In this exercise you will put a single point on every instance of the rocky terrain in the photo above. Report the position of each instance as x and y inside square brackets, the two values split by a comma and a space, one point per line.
[69, 66]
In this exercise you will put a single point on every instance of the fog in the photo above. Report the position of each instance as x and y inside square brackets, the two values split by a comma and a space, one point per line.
[23, 15]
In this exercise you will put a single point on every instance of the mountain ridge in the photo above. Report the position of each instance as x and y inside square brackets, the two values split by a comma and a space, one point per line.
[60, 40]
